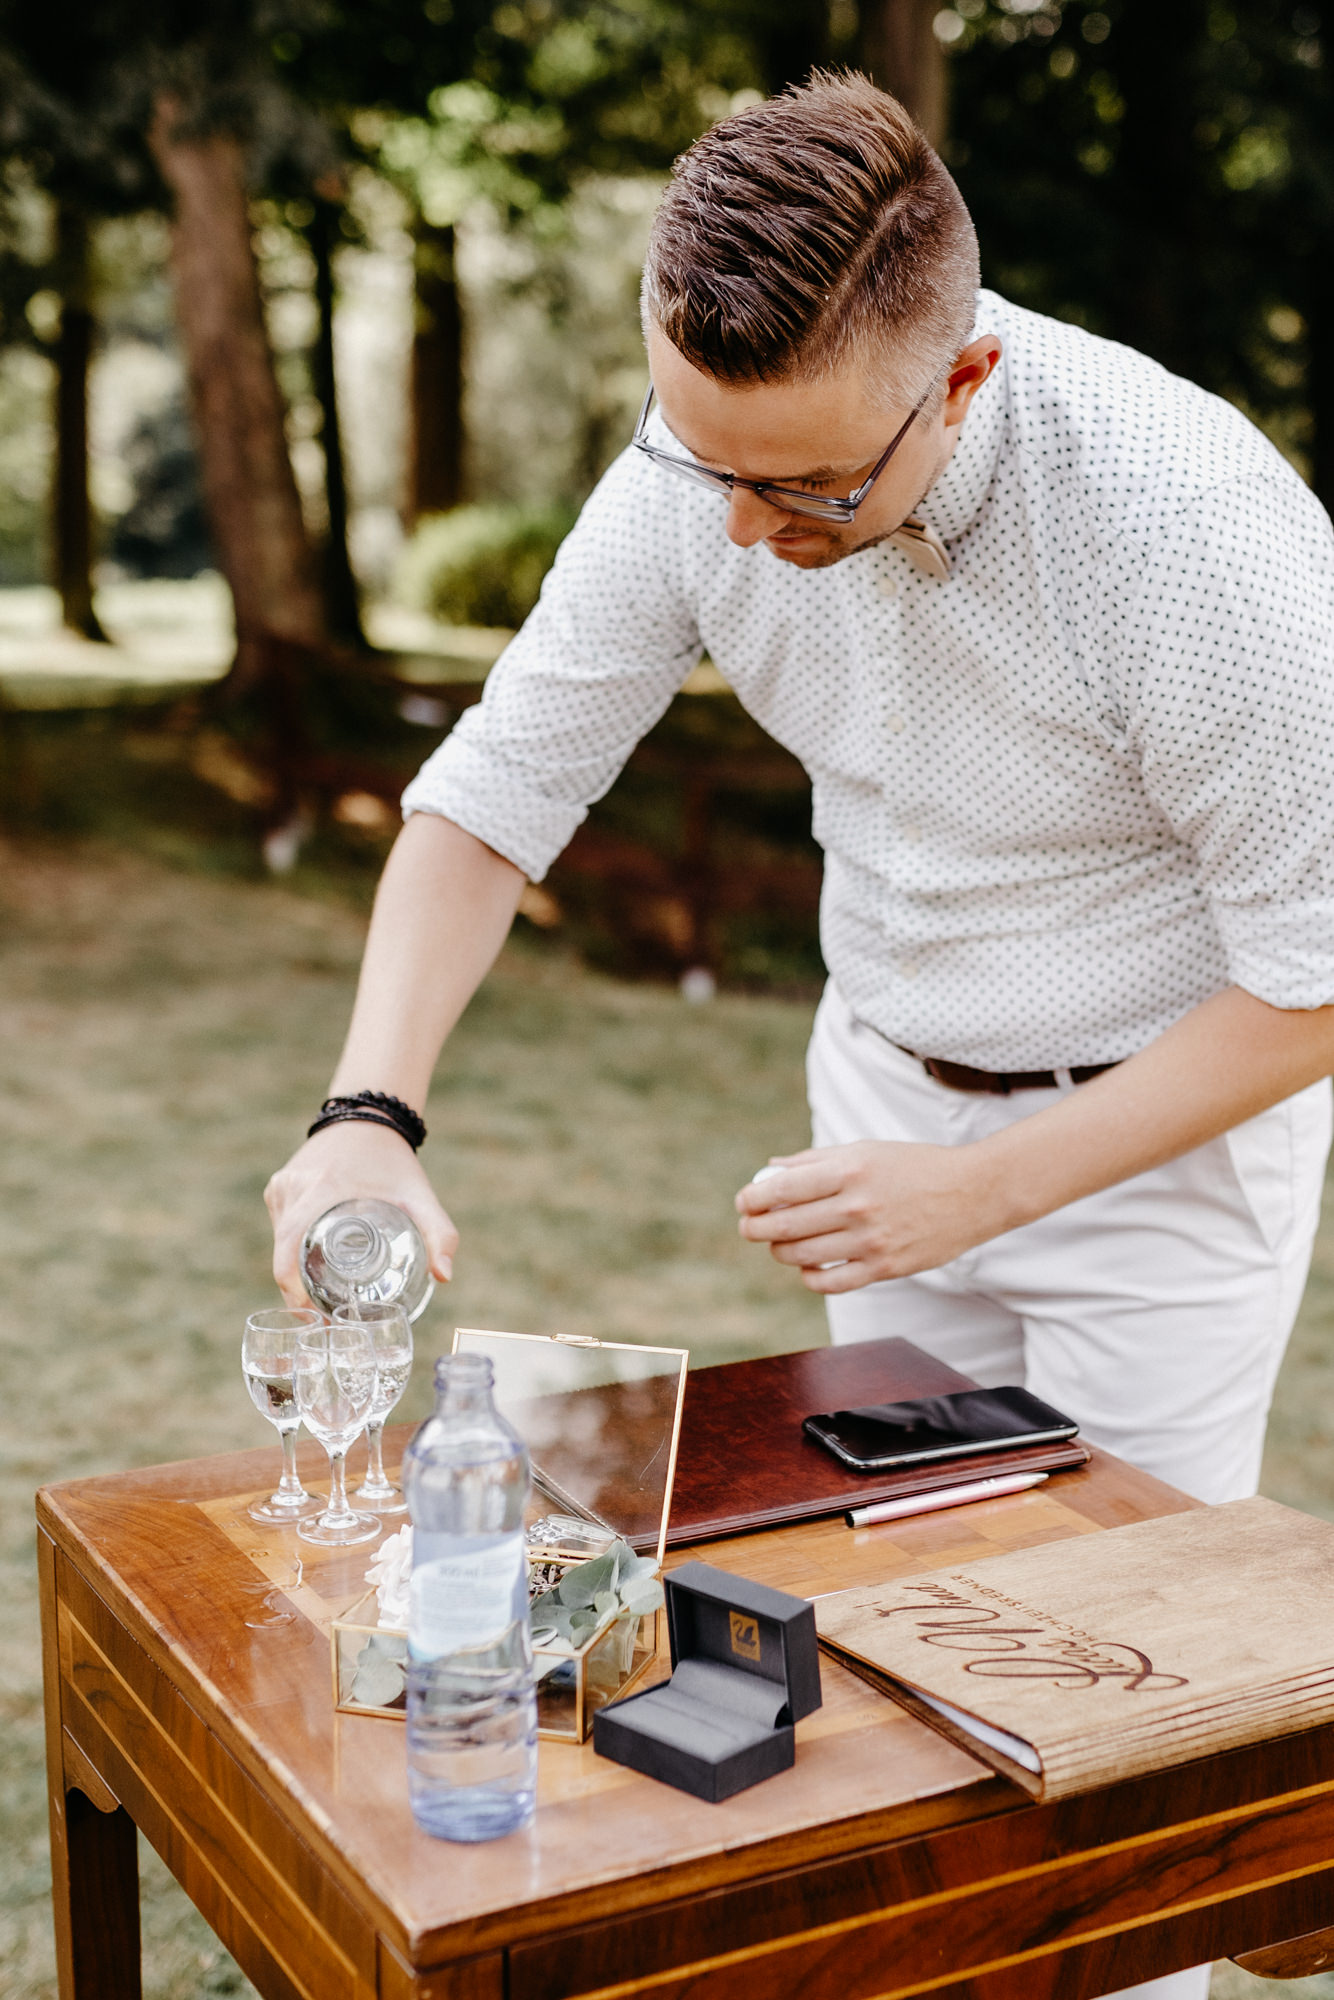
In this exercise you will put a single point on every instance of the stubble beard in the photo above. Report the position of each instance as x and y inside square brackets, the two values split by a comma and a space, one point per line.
[834, 551]
[837, 550]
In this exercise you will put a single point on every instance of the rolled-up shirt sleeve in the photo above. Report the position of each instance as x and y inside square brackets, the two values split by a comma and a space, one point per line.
[1223, 635]
[610, 642]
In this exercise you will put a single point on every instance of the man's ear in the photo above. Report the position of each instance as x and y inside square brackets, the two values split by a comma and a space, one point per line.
[968, 374]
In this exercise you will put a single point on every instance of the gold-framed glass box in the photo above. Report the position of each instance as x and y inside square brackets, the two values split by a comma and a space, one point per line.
[602, 1421]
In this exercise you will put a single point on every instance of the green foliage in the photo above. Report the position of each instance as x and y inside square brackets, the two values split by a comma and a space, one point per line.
[1164, 175]
[482, 565]
[555, 93]
[593, 1592]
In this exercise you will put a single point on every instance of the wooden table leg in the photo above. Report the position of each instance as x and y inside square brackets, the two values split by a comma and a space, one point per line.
[94, 1845]
[95, 1900]
[1295, 1958]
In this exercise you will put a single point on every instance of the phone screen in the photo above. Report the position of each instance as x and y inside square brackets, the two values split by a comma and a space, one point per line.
[883, 1435]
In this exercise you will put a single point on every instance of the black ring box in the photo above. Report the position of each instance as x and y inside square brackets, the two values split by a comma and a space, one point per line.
[745, 1668]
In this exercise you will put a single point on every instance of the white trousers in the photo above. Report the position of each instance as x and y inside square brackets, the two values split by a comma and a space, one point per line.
[1155, 1313]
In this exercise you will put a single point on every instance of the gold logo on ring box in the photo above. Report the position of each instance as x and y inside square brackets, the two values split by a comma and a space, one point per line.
[745, 1635]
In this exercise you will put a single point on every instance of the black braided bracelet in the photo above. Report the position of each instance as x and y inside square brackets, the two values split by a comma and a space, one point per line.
[372, 1107]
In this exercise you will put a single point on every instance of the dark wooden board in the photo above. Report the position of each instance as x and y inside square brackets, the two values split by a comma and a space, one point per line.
[744, 1461]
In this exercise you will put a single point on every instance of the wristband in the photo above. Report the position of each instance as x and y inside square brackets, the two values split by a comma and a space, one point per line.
[372, 1107]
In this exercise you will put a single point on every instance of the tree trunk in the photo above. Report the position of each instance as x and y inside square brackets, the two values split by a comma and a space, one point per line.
[342, 607]
[1319, 382]
[791, 39]
[249, 488]
[1163, 225]
[900, 49]
[71, 517]
[437, 445]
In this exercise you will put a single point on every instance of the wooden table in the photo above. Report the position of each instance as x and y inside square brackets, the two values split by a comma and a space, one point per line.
[188, 1694]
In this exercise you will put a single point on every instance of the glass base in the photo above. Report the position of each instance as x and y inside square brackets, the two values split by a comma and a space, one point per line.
[278, 1511]
[470, 1814]
[341, 1534]
[384, 1499]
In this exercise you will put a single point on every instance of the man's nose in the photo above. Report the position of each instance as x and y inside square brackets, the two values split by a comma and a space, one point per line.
[750, 518]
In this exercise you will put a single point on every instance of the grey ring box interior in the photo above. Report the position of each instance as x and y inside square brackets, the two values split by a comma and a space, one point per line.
[745, 1668]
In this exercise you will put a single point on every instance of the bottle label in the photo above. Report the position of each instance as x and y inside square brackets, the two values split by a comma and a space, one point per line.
[466, 1598]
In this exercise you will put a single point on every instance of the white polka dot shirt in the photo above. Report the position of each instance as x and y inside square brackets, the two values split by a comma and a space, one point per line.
[1064, 794]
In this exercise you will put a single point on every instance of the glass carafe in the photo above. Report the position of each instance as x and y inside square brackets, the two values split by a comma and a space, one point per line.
[366, 1252]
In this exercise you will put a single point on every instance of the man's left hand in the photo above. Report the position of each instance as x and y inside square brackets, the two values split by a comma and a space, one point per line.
[876, 1209]
[883, 1209]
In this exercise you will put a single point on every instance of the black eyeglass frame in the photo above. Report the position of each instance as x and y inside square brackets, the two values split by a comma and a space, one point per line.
[791, 499]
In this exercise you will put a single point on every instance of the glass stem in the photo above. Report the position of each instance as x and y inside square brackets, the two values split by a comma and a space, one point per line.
[375, 1453]
[290, 1483]
[337, 1513]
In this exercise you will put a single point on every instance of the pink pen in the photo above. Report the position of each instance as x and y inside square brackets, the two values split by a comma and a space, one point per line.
[949, 1496]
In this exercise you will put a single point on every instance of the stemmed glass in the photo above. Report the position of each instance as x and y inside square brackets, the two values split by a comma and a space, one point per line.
[267, 1358]
[335, 1389]
[390, 1330]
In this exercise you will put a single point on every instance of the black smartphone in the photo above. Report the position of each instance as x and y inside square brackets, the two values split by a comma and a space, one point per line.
[883, 1436]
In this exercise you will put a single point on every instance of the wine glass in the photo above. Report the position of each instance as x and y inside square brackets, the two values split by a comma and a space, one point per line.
[391, 1332]
[267, 1351]
[334, 1381]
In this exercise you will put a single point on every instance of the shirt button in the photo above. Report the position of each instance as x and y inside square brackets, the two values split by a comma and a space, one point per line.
[912, 834]
[888, 585]
[909, 968]
[897, 725]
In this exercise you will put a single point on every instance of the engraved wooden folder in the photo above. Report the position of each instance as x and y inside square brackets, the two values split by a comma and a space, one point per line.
[1077, 1664]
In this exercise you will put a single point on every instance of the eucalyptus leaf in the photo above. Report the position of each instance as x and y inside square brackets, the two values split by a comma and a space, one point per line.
[583, 1600]
[383, 1646]
[643, 1597]
[553, 1617]
[621, 1554]
[578, 1593]
[580, 1586]
[379, 1682]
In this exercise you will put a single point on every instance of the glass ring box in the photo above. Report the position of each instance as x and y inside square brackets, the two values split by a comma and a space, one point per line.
[602, 1420]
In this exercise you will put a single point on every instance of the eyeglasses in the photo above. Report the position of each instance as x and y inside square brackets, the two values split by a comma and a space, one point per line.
[792, 499]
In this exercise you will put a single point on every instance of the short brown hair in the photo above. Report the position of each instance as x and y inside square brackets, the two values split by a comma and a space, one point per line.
[808, 228]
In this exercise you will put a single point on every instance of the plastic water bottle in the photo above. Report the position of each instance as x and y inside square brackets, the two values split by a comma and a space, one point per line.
[472, 1711]
[366, 1252]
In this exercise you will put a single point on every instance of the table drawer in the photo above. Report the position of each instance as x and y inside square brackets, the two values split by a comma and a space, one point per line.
[998, 1905]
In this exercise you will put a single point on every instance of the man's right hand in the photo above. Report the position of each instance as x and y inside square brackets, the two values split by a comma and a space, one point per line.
[442, 910]
[339, 1164]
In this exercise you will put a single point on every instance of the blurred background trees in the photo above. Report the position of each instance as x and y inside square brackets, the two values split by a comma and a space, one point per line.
[1164, 175]
[1160, 174]
[338, 298]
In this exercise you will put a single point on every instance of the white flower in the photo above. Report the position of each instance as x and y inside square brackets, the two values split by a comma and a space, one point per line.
[389, 1572]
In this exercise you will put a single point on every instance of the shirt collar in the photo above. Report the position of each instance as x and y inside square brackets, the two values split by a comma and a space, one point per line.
[955, 501]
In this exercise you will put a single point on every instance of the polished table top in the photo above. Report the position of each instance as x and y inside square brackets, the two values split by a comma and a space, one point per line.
[236, 1618]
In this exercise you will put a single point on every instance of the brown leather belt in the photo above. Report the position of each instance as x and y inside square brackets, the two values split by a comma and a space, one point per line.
[958, 1076]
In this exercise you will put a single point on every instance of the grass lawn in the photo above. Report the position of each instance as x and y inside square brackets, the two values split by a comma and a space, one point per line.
[165, 1033]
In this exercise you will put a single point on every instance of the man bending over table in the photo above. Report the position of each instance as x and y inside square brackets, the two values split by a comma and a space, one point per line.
[1051, 631]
